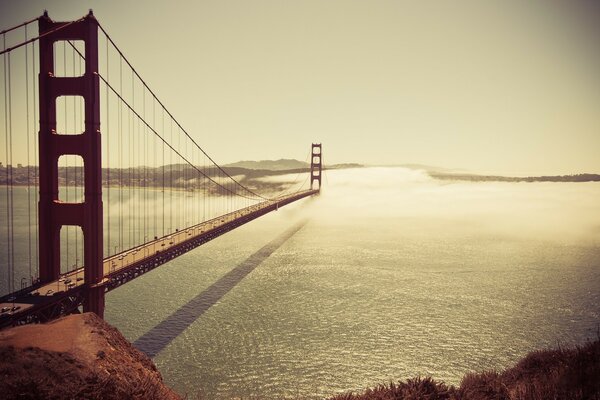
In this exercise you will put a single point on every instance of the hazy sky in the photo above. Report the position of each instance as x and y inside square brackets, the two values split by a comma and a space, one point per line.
[489, 86]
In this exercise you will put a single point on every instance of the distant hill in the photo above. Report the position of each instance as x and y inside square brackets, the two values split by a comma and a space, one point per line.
[270, 165]
[172, 175]
[343, 166]
[285, 165]
[429, 168]
[495, 178]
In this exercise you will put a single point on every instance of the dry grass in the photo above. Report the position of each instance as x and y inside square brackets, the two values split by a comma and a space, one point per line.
[33, 373]
[560, 374]
[76, 357]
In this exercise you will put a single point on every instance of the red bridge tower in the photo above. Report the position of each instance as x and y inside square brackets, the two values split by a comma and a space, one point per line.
[53, 214]
[315, 165]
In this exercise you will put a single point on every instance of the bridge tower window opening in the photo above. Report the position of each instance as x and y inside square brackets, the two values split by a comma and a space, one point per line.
[70, 178]
[71, 249]
[69, 115]
[69, 58]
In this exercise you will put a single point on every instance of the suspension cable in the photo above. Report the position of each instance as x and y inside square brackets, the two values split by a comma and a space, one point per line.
[146, 87]
[164, 141]
[290, 191]
[174, 119]
[7, 50]
[18, 26]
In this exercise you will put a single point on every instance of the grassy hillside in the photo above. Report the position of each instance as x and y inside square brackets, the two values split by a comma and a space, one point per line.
[560, 374]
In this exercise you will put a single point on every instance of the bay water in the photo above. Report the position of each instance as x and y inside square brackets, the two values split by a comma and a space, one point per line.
[388, 274]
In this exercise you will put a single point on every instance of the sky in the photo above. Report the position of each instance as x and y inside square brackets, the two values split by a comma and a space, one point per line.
[505, 87]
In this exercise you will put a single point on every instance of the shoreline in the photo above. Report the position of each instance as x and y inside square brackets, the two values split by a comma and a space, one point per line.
[93, 358]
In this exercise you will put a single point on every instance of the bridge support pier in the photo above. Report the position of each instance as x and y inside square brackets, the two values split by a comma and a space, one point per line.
[54, 214]
[315, 165]
[94, 300]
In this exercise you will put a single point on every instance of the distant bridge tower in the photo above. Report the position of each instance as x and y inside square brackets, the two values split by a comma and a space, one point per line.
[53, 214]
[315, 165]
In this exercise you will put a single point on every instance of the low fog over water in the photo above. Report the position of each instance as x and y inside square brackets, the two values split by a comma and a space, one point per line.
[563, 212]
[395, 274]
[386, 275]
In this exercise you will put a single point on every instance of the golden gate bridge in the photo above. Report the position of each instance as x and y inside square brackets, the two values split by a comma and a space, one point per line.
[113, 185]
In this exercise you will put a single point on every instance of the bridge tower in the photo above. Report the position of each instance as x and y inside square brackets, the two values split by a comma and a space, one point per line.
[315, 165]
[53, 214]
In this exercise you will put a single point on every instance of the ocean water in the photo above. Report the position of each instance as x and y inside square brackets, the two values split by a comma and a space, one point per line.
[386, 275]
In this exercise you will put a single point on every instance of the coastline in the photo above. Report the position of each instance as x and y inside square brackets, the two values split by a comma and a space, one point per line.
[80, 355]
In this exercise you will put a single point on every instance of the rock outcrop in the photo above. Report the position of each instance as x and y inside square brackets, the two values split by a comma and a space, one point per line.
[76, 357]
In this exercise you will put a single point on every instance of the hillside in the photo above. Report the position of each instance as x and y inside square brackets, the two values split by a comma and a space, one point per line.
[270, 165]
[76, 357]
[563, 373]
[497, 178]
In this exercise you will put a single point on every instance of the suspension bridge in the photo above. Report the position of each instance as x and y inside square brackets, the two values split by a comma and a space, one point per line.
[101, 183]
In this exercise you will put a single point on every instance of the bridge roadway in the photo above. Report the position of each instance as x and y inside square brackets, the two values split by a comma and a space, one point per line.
[42, 302]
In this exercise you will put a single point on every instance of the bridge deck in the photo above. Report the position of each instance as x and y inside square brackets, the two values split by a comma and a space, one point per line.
[46, 301]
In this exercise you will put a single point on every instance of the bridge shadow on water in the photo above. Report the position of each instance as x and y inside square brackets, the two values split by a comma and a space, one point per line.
[157, 338]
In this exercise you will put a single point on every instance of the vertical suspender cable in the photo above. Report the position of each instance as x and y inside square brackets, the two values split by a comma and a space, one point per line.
[35, 155]
[141, 186]
[120, 158]
[28, 159]
[198, 192]
[171, 185]
[67, 228]
[10, 182]
[76, 163]
[132, 207]
[203, 189]
[107, 133]
[81, 120]
[145, 163]
[183, 177]
[6, 147]
[154, 168]
[130, 183]
[163, 175]
[140, 174]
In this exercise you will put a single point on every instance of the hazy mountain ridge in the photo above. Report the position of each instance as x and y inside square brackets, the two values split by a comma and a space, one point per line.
[180, 175]
[271, 165]
[174, 175]
[183, 176]
[497, 178]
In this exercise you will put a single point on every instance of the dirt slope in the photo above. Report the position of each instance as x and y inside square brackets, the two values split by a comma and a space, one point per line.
[75, 357]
